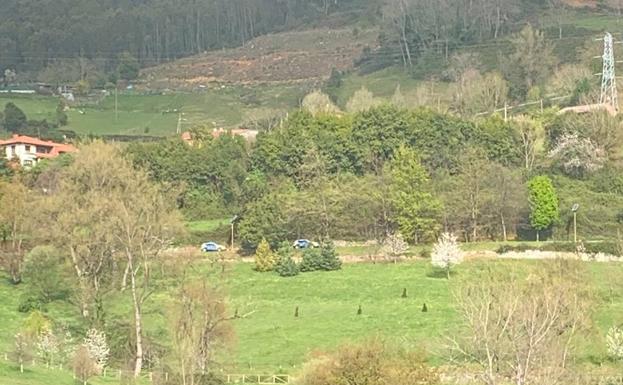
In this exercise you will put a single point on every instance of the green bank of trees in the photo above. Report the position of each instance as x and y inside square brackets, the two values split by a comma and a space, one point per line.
[385, 170]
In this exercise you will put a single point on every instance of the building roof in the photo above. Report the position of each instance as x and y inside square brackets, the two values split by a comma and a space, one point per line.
[55, 148]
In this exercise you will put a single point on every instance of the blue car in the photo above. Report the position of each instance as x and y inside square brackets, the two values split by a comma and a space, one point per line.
[304, 244]
[212, 247]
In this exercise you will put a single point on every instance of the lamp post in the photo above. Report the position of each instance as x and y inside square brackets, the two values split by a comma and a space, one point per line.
[574, 210]
[233, 223]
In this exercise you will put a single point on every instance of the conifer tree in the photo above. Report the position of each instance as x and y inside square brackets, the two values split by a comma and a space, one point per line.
[264, 257]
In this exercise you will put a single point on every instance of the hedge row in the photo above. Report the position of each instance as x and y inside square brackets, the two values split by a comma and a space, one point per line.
[610, 248]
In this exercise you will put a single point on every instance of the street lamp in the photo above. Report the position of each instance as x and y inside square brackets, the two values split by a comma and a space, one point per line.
[574, 210]
[232, 222]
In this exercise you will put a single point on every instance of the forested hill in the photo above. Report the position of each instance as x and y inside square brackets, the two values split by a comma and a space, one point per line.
[90, 36]
[35, 32]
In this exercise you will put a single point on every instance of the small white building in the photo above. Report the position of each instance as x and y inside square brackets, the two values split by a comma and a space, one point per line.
[28, 150]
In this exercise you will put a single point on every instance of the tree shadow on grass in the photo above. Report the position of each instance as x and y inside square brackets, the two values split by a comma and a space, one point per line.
[440, 274]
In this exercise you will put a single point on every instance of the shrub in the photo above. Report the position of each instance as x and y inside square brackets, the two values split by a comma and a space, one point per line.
[43, 271]
[286, 267]
[264, 257]
[312, 260]
[373, 362]
[329, 258]
[610, 248]
[84, 366]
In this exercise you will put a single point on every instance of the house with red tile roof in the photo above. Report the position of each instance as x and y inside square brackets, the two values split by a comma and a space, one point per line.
[28, 151]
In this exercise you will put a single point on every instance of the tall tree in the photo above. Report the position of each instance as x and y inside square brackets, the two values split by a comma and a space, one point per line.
[543, 204]
[16, 226]
[417, 210]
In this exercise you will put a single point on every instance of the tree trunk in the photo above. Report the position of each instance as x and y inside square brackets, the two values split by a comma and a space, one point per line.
[503, 227]
[137, 322]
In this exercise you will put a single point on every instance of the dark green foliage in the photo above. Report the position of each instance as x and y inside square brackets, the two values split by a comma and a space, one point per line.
[263, 218]
[359, 310]
[404, 293]
[610, 248]
[325, 259]
[424, 308]
[61, 116]
[128, 66]
[329, 258]
[312, 260]
[29, 303]
[14, 118]
[46, 274]
[286, 267]
[5, 169]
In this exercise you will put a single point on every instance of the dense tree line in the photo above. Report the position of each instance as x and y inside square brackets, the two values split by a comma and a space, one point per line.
[35, 34]
[385, 169]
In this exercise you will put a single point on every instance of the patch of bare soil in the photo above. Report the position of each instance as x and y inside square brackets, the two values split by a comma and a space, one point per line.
[278, 58]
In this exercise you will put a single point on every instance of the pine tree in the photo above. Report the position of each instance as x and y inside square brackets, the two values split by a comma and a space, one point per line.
[404, 293]
[264, 257]
[424, 308]
[312, 260]
[329, 258]
[286, 267]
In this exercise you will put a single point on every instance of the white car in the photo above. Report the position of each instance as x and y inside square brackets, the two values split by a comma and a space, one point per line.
[212, 247]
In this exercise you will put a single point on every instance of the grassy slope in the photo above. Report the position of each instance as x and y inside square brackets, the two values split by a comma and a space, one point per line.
[272, 340]
[226, 107]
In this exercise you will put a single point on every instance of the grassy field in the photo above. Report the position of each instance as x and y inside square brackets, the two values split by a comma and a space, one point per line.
[272, 340]
[151, 114]
[209, 225]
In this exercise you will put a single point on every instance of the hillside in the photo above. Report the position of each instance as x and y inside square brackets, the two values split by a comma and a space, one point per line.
[298, 56]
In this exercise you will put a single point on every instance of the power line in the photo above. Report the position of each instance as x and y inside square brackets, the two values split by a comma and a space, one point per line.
[609, 93]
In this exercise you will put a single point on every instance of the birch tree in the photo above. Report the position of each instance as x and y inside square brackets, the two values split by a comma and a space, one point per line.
[16, 224]
[521, 328]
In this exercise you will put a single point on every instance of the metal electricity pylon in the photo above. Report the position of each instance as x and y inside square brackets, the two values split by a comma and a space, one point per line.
[609, 93]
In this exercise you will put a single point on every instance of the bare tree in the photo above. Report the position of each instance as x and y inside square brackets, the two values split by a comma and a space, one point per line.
[532, 139]
[15, 226]
[521, 327]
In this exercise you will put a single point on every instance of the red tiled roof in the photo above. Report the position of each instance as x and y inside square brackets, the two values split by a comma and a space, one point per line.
[55, 148]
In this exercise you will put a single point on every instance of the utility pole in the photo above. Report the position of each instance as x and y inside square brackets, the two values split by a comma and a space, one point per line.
[116, 104]
[609, 93]
[575, 209]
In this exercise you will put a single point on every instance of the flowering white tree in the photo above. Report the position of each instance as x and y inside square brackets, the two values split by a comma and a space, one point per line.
[614, 342]
[47, 346]
[98, 349]
[446, 253]
[577, 156]
[395, 245]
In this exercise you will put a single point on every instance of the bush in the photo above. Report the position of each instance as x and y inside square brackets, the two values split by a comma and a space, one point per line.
[373, 362]
[610, 248]
[286, 267]
[30, 303]
[329, 260]
[312, 260]
[44, 272]
[264, 257]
